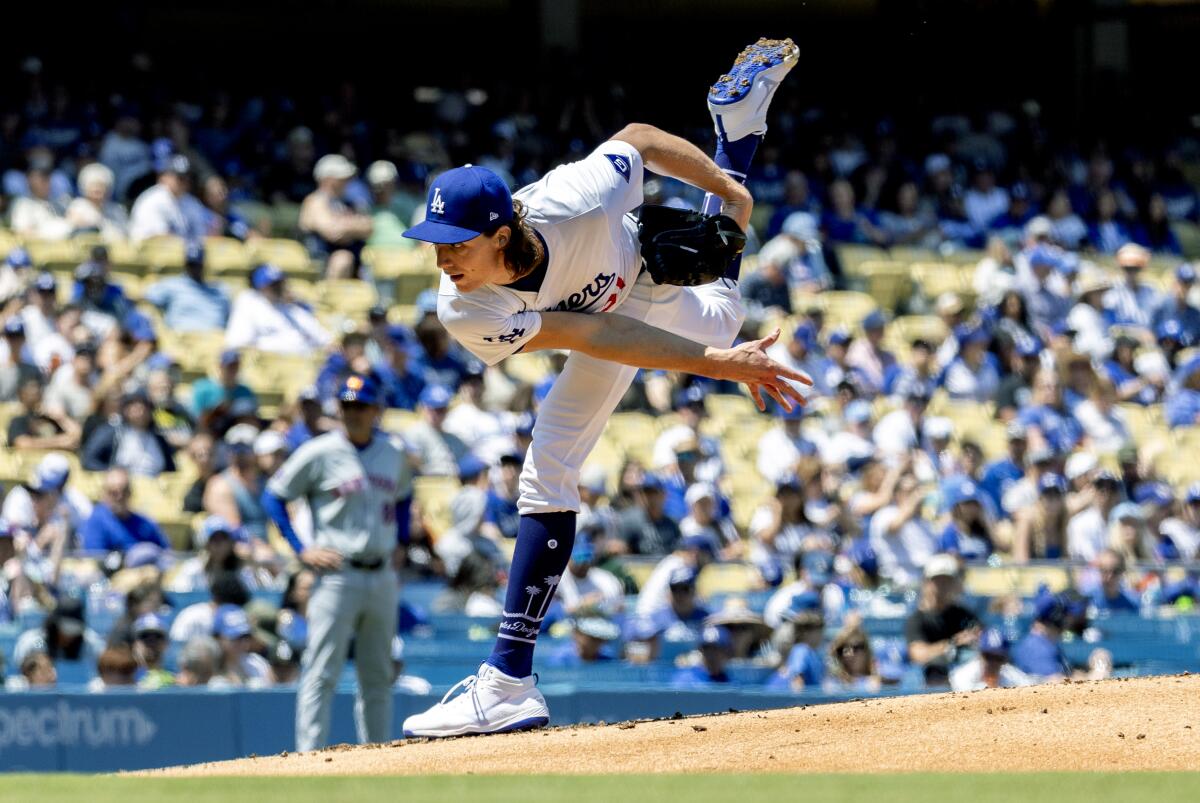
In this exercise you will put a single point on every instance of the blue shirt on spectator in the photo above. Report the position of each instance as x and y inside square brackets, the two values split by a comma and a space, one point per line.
[1119, 376]
[966, 545]
[208, 393]
[692, 676]
[1187, 316]
[105, 532]
[400, 392]
[189, 305]
[1061, 431]
[297, 434]
[1040, 656]
[503, 513]
[1132, 306]
[447, 370]
[802, 662]
[1182, 408]
[1123, 601]
[997, 477]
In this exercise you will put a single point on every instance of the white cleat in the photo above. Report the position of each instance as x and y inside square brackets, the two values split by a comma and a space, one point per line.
[491, 702]
[739, 100]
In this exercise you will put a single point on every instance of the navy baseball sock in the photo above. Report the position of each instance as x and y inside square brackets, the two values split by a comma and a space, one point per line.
[544, 543]
[734, 158]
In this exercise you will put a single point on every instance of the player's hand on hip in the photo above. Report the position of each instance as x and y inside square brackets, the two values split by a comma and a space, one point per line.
[321, 558]
[748, 363]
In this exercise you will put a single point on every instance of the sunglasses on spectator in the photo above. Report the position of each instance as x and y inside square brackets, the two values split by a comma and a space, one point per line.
[117, 493]
[856, 647]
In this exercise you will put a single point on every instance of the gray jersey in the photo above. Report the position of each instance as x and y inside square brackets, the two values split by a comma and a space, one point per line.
[352, 493]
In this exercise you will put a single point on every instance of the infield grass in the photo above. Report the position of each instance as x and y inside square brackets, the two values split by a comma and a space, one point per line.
[916, 788]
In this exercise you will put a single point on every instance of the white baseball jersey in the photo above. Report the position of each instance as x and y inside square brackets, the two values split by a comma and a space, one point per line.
[352, 492]
[593, 255]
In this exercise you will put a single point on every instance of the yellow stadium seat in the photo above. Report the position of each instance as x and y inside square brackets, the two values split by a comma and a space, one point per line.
[846, 308]
[966, 257]
[225, 256]
[889, 287]
[912, 253]
[927, 327]
[727, 578]
[163, 252]
[54, 252]
[389, 262]
[936, 278]
[288, 255]
[8, 241]
[434, 495]
[1026, 580]
[852, 257]
[530, 368]
[399, 420]
[350, 297]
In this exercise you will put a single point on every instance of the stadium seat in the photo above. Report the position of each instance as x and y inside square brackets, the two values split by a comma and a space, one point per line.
[54, 252]
[434, 494]
[288, 255]
[350, 297]
[852, 257]
[226, 256]
[163, 253]
[727, 578]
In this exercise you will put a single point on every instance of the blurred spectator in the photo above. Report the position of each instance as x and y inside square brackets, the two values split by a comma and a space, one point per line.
[472, 589]
[968, 533]
[1111, 594]
[437, 452]
[910, 220]
[310, 419]
[284, 660]
[409, 684]
[485, 433]
[266, 318]
[852, 662]
[239, 665]
[349, 357]
[40, 427]
[401, 382]
[201, 450]
[1176, 305]
[974, 375]
[38, 216]
[898, 432]
[1107, 232]
[716, 650]
[149, 650]
[219, 219]
[644, 526]
[940, 626]
[502, 516]
[334, 232]
[780, 530]
[439, 360]
[681, 566]
[901, 538]
[214, 400]
[1041, 530]
[766, 290]
[813, 572]
[1047, 417]
[1039, 653]
[168, 207]
[591, 642]
[681, 453]
[94, 211]
[37, 672]
[170, 417]
[391, 210]
[1044, 301]
[17, 368]
[233, 494]
[1087, 531]
[197, 619]
[1155, 231]
[867, 355]
[103, 303]
[845, 222]
[222, 549]
[991, 669]
[798, 354]
[781, 447]
[116, 668]
[47, 486]
[1181, 407]
[112, 525]
[291, 179]
[1133, 302]
[1088, 318]
[702, 520]
[1128, 535]
[586, 588]
[198, 661]
[1183, 531]
[804, 629]
[71, 386]
[63, 636]
[131, 441]
[188, 302]
[124, 152]
[1104, 424]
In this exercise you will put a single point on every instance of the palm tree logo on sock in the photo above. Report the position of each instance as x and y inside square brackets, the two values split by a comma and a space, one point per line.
[533, 592]
[551, 583]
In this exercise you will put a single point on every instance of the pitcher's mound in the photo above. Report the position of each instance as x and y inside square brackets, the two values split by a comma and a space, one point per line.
[1141, 724]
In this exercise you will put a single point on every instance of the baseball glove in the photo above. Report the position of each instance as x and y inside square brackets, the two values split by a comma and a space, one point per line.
[687, 248]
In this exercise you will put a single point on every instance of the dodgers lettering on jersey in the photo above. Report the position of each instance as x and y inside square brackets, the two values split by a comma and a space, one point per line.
[581, 210]
[352, 493]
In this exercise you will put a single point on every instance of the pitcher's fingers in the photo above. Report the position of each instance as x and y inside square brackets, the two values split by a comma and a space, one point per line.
[757, 396]
[793, 393]
[774, 393]
[769, 340]
[789, 373]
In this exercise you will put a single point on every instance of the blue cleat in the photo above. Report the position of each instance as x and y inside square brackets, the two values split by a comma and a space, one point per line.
[739, 100]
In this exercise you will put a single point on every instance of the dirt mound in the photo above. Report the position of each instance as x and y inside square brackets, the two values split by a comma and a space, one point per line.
[1142, 724]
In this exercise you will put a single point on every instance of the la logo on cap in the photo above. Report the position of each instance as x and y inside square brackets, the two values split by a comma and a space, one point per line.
[437, 206]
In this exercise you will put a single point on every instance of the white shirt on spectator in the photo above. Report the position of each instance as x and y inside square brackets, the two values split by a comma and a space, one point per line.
[903, 554]
[778, 454]
[282, 328]
[43, 340]
[40, 219]
[65, 392]
[110, 222]
[158, 212]
[1184, 536]
[18, 510]
[1087, 534]
[599, 583]
[139, 452]
[833, 600]
[969, 677]
[194, 620]
[984, 207]
[1107, 432]
[1091, 332]
[656, 592]
[895, 433]
[487, 434]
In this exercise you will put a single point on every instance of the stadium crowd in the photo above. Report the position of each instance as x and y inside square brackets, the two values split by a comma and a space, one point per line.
[1066, 330]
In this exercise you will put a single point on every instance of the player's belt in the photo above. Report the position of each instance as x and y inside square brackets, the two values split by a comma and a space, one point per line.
[366, 564]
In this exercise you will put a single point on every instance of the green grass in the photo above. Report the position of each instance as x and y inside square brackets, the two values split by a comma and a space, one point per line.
[916, 788]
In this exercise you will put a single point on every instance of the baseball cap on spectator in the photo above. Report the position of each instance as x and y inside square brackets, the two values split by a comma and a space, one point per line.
[268, 442]
[14, 328]
[957, 492]
[1154, 493]
[359, 389]
[266, 274]
[805, 333]
[427, 302]
[1170, 329]
[149, 623]
[1132, 256]
[524, 425]
[948, 303]
[974, 335]
[242, 436]
[715, 637]
[1079, 464]
[1054, 609]
[682, 576]
[598, 628]
[333, 165]
[230, 357]
[1044, 257]
[936, 163]
[1126, 511]
[857, 412]
[801, 225]
[145, 553]
[1042, 454]
[803, 606]
[583, 551]
[381, 172]
[309, 394]
[463, 203]
[52, 472]
[1192, 495]
[839, 337]
[435, 397]
[1106, 477]
[992, 642]
[213, 525]
[1038, 228]
[916, 390]
[177, 164]
[874, 320]
[1185, 273]
[18, 258]
[193, 254]
[818, 564]
[642, 628]
[470, 467]
[594, 478]
[651, 482]
[45, 282]
[231, 622]
[1016, 431]
[698, 491]
[691, 396]
[400, 335]
[938, 428]
[941, 565]
[1052, 483]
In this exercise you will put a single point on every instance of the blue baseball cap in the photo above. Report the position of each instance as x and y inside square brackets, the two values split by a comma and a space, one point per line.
[583, 551]
[715, 636]
[691, 396]
[1044, 256]
[359, 389]
[974, 335]
[45, 281]
[231, 622]
[875, 320]
[149, 623]
[682, 576]
[1193, 493]
[993, 642]
[400, 334]
[1170, 329]
[1052, 482]
[470, 467]
[806, 333]
[462, 204]
[794, 414]
[819, 566]
[266, 274]
[18, 258]
[839, 337]
[651, 482]
[1125, 511]
[1185, 272]
[702, 543]
[145, 553]
[806, 602]
[436, 397]
[217, 524]
[524, 425]
[1154, 493]
[193, 254]
[858, 411]
[13, 327]
[230, 357]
